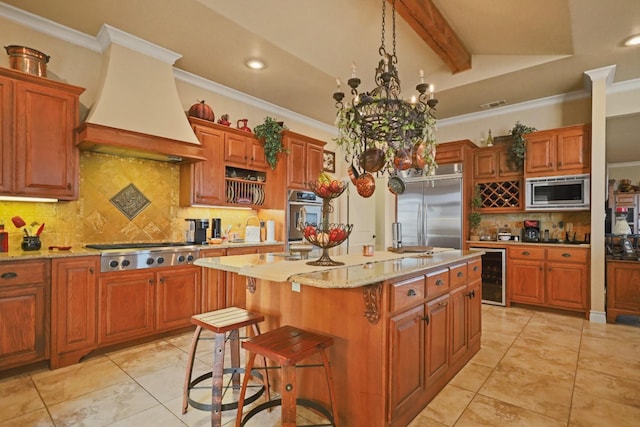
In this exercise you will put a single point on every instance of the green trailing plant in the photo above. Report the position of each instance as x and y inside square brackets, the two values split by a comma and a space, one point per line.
[519, 146]
[475, 218]
[270, 133]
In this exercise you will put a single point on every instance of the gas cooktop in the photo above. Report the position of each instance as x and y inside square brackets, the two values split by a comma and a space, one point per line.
[136, 256]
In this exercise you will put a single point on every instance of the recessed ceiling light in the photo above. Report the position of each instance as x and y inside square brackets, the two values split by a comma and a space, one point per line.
[255, 64]
[633, 40]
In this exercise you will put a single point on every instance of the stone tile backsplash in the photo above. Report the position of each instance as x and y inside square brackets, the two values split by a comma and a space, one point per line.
[556, 222]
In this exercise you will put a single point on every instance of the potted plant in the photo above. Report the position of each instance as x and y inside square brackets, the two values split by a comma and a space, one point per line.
[474, 217]
[519, 147]
[270, 132]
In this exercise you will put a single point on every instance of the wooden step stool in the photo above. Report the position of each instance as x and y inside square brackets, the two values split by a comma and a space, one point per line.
[288, 345]
[227, 320]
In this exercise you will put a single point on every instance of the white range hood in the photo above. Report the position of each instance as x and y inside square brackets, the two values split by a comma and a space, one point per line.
[137, 112]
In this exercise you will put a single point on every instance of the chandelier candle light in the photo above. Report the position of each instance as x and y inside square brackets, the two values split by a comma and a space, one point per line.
[380, 124]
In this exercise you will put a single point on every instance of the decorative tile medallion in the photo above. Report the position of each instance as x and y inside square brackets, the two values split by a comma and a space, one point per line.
[130, 201]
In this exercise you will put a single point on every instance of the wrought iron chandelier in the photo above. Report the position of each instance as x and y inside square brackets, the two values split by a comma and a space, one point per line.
[378, 130]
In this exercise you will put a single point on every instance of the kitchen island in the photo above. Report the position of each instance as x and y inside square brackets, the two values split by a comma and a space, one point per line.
[403, 325]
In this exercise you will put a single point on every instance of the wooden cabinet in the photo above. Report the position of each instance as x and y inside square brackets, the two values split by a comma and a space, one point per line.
[304, 160]
[213, 295]
[555, 277]
[24, 312]
[74, 283]
[244, 151]
[455, 152]
[236, 285]
[129, 303]
[564, 151]
[437, 337]
[202, 183]
[623, 289]
[38, 153]
[498, 184]
[492, 163]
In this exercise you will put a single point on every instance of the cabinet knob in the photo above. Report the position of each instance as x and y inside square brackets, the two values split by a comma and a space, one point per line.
[525, 253]
[439, 282]
[476, 268]
[9, 275]
[91, 270]
[559, 163]
[566, 255]
[426, 319]
[460, 274]
[411, 293]
[443, 303]
[150, 282]
[549, 268]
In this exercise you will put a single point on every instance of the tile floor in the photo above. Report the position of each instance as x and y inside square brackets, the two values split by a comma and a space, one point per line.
[534, 369]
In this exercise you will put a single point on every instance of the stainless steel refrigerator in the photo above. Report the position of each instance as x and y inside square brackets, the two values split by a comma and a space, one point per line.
[430, 209]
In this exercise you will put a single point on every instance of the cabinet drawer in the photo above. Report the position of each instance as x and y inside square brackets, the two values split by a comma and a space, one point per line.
[437, 282]
[625, 199]
[407, 293]
[568, 255]
[526, 252]
[474, 270]
[458, 275]
[12, 274]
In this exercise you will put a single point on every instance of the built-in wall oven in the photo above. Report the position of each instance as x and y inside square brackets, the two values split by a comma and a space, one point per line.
[302, 207]
[494, 274]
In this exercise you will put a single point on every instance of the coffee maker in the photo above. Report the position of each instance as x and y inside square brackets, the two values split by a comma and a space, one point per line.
[216, 228]
[531, 230]
[197, 231]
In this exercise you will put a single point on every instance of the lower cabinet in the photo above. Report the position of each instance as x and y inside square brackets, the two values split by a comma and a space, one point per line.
[212, 282]
[556, 277]
[24, 312]
[434, 330]
[623, 289]
[73, 308]
[140, 303]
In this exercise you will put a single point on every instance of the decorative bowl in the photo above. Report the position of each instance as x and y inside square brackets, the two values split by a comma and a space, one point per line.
[334, 235]
[327, 191]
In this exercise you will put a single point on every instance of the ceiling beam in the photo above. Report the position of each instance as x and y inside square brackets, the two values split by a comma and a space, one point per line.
[427, 21]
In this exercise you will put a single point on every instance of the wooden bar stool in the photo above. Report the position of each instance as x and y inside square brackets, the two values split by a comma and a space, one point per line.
[287, 346]
[222, 322]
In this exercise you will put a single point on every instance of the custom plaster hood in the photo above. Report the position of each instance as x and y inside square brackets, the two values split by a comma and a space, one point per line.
[137, 112]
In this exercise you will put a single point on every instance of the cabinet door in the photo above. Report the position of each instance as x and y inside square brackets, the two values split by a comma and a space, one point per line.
[74, 290]
[474, 313]
[406, 359]
[437, 339]
[623, 288]
[296, 161]
[212, 282]
[6, 137]
[505, 168]
[567, 285]
[526, 281]
[45, 154]
[203, 182]
[540, 156]
[236, 285]
[125, 306]
[573, 151]
[315, 154]
[458, 301]
[24, 331]
[235, 149]
[257, 158]
[485, 164]
[178, 297]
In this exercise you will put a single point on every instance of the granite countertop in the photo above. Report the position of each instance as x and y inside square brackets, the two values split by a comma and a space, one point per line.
[507, 243]
[358, 270]
[80, 250]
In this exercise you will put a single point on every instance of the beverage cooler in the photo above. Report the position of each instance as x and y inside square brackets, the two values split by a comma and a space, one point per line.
[494, 273]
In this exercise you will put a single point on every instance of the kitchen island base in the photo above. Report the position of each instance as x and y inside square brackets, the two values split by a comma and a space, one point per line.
[397, 342]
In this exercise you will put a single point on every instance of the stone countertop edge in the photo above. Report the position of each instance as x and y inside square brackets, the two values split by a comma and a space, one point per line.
[507, 243]
[45, 253]
[343, 276]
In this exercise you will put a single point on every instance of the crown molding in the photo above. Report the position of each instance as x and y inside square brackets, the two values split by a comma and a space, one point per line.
[109, 34]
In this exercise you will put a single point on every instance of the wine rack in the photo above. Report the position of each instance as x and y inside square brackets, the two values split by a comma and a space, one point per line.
[500, 194]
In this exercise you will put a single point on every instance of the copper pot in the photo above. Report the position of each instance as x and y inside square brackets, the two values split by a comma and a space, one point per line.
[417, 156]
[402, 160]
[372, 159]
[366, 185]
[28, 60]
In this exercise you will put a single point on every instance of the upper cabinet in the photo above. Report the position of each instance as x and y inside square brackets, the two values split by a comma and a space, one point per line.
[493, 163]
[563, 151]
[244, 151]
[499, 184]
[38, 155]
[304, 159]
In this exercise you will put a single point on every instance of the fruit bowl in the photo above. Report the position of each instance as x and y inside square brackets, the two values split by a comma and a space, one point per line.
[334, 234]
[327, 190]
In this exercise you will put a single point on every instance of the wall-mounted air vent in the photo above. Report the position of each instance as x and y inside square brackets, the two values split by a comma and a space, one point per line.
[494, 104]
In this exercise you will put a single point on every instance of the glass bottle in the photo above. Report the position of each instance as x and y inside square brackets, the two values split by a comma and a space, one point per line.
[489, 140]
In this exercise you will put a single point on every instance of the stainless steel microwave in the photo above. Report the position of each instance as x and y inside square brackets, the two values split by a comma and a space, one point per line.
[569, 192]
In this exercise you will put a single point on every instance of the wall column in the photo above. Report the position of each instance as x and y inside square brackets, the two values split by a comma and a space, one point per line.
[597, 81]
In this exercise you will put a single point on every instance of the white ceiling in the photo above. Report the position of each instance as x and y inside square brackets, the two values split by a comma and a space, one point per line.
[521, 49]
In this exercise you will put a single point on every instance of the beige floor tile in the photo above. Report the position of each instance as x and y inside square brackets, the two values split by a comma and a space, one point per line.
[103, 407]
[609, 358]
[150, 358]
[544, 394]
[166, 384]
[18, 396]
[75, 380]
[158, 416]
[424, 421]
[447, 406]
[608, 387]
[471, 377]
[484, 411]
[539, 358]
[590, 411]
[39, 418]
